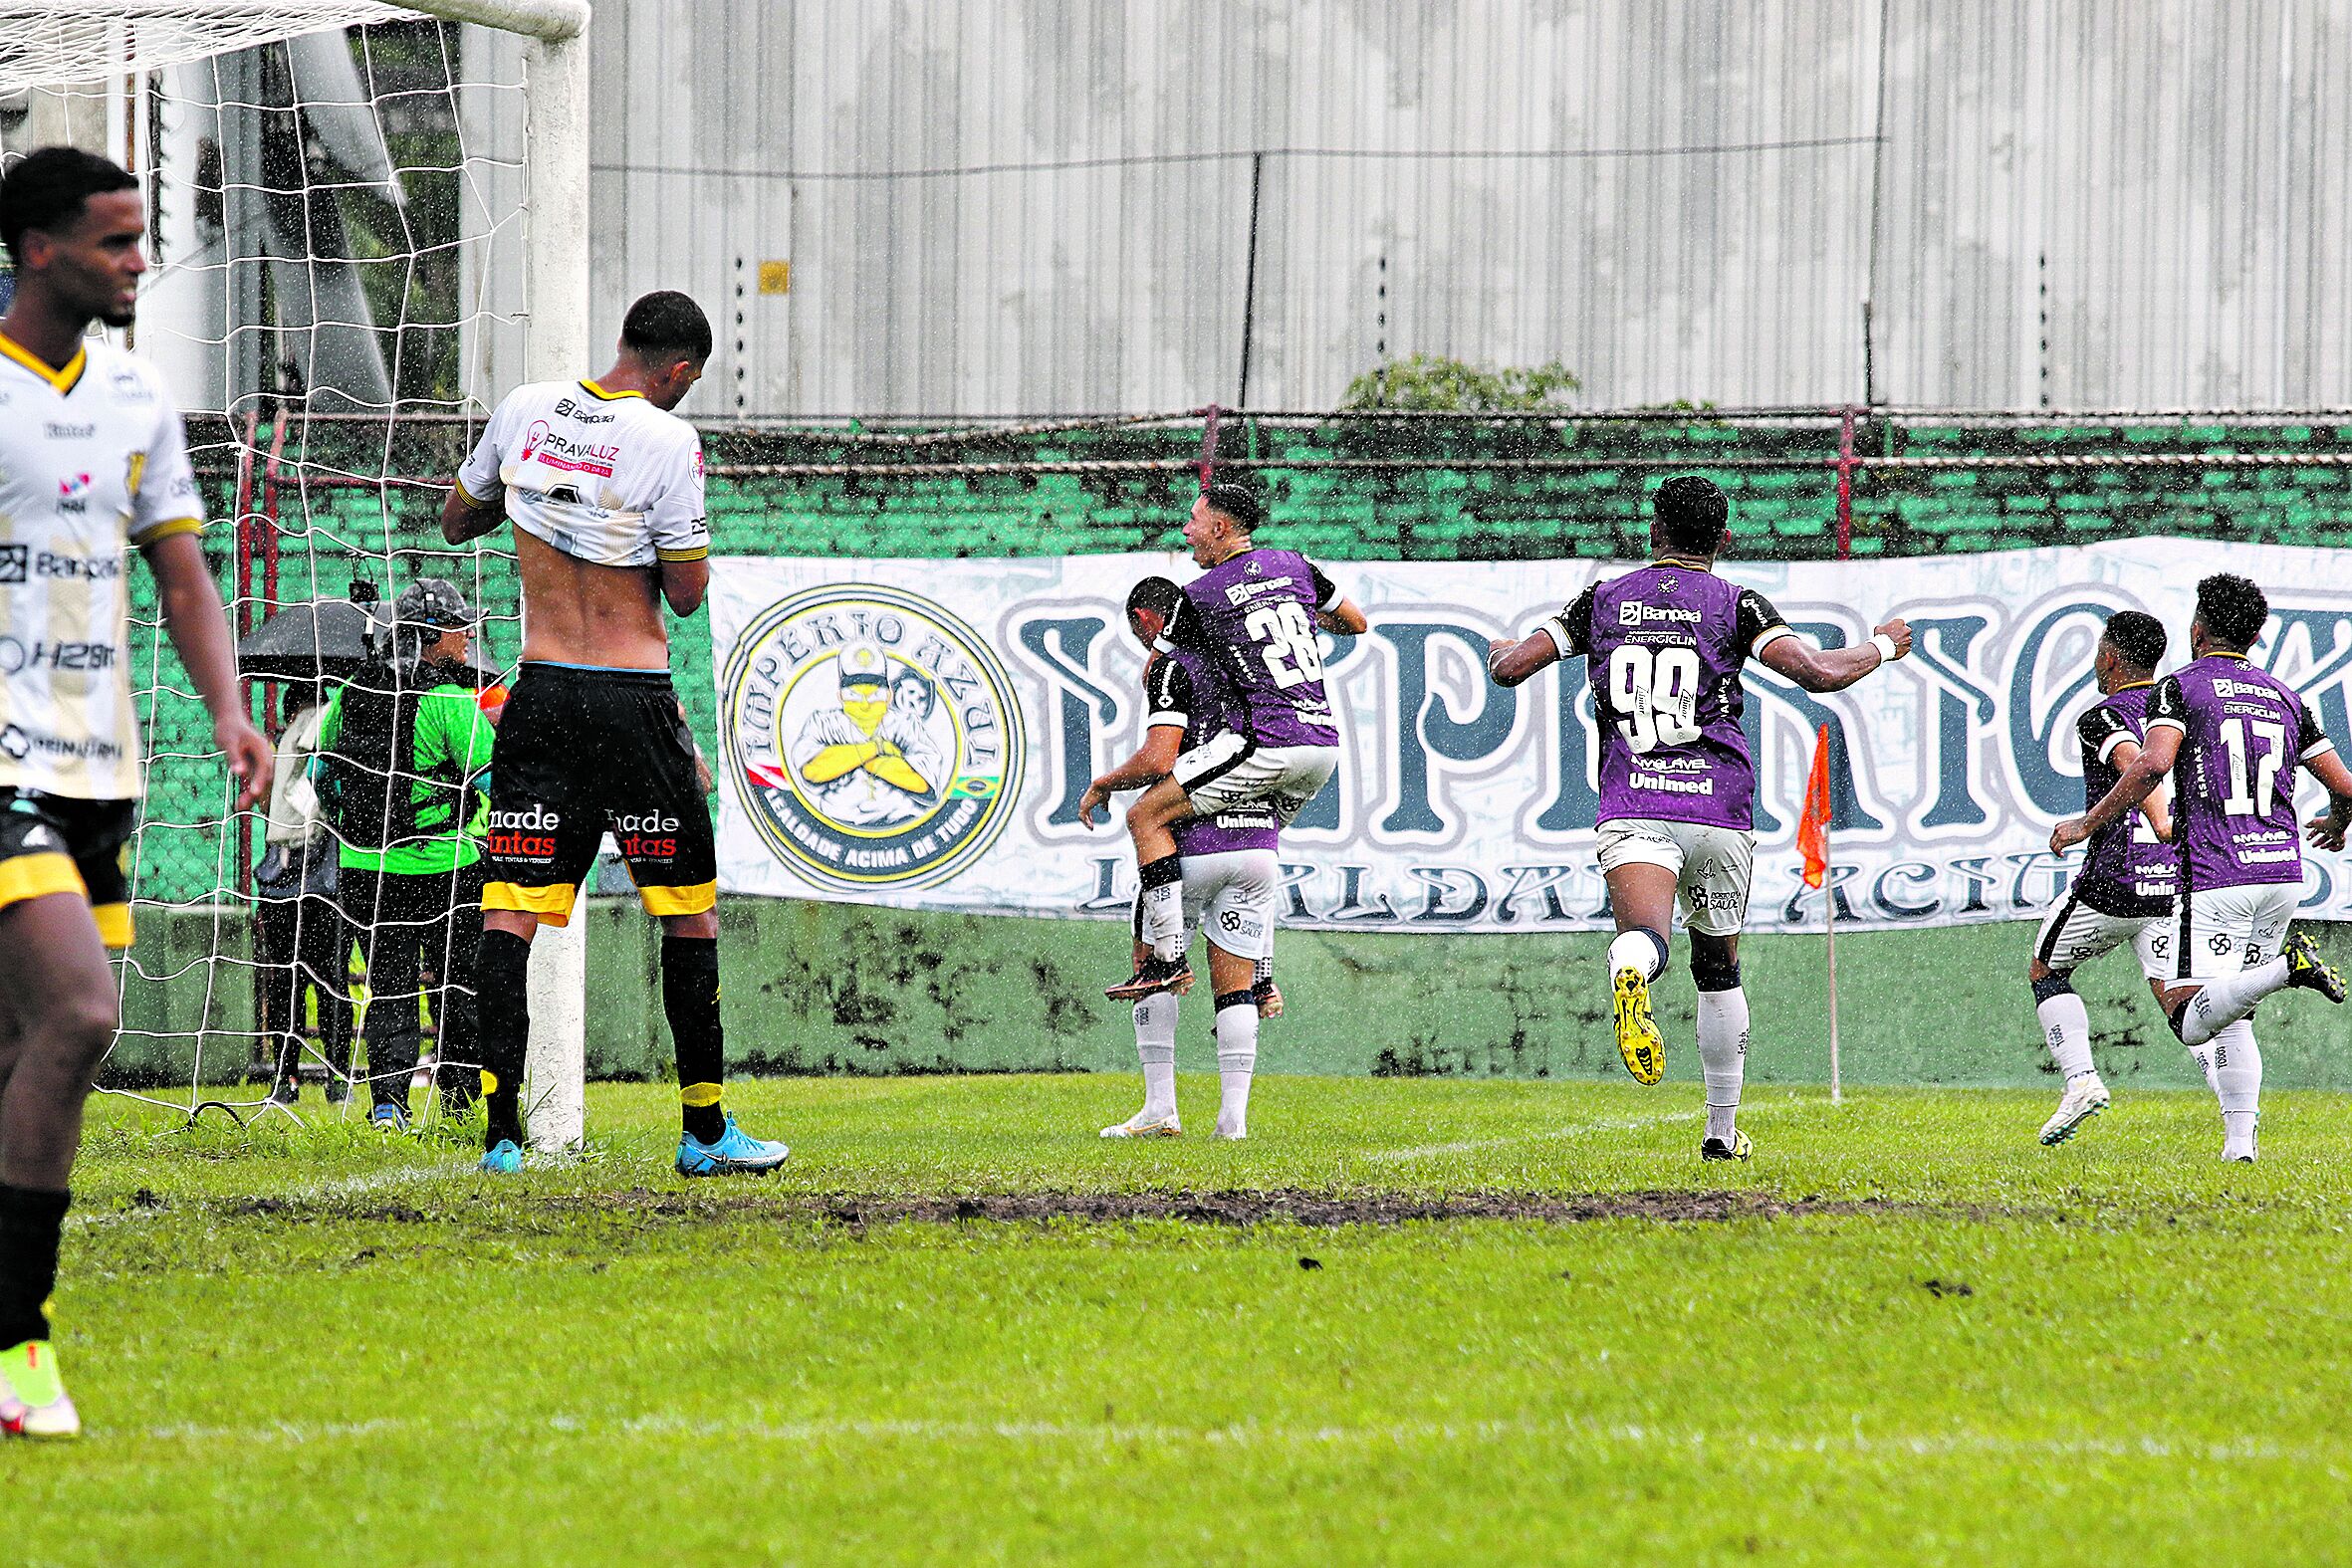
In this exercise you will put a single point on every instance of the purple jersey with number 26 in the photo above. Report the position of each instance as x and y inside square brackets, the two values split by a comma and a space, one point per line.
[2243, 733]
[1260, 609]
[1664, 647]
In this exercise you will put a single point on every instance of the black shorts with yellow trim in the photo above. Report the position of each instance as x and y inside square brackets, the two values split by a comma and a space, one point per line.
[55, 844]
[586, 752]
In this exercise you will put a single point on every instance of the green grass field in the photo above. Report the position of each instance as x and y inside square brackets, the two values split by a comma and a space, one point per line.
[1904, 1333]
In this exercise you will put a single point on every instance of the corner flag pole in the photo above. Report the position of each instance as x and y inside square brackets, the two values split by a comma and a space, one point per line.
[1829, 933]
[1812, 842]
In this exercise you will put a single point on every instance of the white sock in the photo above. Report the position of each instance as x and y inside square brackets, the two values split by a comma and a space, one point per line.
[2066, 1022]
[1722, 1056]
[2202, 1056]
[1638, 949]
[2223, 1003]
[1163, 920]
[1155, 1048]
[2237, 1081]
[1237, 1060]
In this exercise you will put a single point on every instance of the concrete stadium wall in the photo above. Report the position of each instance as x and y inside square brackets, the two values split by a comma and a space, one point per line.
[812, 988]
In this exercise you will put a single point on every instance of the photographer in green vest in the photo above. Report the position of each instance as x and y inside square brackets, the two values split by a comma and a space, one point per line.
[404, 747]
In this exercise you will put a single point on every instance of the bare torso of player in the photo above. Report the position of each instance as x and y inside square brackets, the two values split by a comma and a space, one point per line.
[577, 612]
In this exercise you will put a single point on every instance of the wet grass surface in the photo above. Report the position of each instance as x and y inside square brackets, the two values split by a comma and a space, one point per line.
[1408, 1321]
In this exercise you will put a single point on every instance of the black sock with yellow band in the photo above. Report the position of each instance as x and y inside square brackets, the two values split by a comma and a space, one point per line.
[29, 1222]
[501, 1013]
[691, 999]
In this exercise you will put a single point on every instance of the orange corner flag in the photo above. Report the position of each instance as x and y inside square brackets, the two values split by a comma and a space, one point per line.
[1813, 828]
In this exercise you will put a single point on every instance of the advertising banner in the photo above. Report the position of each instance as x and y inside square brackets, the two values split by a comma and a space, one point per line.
[918, 733]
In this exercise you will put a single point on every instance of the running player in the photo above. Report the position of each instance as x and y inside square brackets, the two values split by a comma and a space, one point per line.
[2125, 890]
[1258, 610]
[2231, 736]
[1665, 645]
[1229, 872]
[92, 455]
[604, 485]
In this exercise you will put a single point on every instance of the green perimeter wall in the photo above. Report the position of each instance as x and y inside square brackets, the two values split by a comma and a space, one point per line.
[814, 987]
[1004, 993]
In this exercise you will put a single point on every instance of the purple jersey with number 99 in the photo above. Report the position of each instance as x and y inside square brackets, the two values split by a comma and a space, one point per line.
[1259, 608]
[1664, 647]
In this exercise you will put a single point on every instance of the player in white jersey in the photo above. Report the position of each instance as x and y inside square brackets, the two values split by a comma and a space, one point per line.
[91, 459]
[604, 485]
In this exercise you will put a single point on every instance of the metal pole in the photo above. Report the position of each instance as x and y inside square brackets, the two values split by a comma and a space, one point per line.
[1846, 483]
[1250, 277]
[1829, 931]
[1207, 467]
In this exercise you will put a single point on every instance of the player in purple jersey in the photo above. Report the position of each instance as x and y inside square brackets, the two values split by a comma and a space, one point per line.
[2231, 737]
[1665, 645]
[1257, 615]
[1230, 876]
[2124, 892]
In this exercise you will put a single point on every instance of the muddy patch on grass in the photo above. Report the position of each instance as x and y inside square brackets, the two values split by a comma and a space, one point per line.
[1286, 1207]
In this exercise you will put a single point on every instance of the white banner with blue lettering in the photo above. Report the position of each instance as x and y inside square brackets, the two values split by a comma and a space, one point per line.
[918, 733]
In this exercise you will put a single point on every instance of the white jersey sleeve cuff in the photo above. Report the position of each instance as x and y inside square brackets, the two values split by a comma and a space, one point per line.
[2318, 748]
[1769, 635]
[2108, 745]
[1169, 718]
[1557, 630]
[2168, 723]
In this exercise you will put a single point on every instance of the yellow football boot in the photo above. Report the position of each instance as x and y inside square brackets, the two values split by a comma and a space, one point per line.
[1638, 1041]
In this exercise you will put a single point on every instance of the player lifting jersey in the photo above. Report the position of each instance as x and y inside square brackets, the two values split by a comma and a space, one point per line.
[604, 485]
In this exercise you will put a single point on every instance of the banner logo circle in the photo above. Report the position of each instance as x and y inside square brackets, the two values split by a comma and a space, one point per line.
[876, 737]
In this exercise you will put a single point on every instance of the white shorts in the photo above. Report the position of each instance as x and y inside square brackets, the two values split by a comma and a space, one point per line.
[2073, 933]
[1231, 772]
[2225, 930]
[1230, 897]
[1712, 866]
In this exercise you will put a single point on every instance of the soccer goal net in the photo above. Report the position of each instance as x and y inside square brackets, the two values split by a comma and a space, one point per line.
[343, 199]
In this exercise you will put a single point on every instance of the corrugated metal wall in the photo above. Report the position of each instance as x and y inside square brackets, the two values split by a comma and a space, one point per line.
[1019, 206]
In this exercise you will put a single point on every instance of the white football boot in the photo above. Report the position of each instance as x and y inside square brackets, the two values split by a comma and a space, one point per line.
[2241, 1151]
[1145, 1125]
[2085, 1098]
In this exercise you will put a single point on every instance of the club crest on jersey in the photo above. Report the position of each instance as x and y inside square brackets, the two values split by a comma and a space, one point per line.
[877, 739]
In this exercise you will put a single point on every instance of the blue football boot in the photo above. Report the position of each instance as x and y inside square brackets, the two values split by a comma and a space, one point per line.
[501, 1158]
[737, 1153]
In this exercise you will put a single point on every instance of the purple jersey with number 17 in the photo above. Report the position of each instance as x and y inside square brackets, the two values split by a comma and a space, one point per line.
[1260, 609]
[1664, 647]
[2243, 734]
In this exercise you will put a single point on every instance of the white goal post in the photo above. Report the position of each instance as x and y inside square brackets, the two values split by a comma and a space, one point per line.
[555, 348]
[83, 56]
